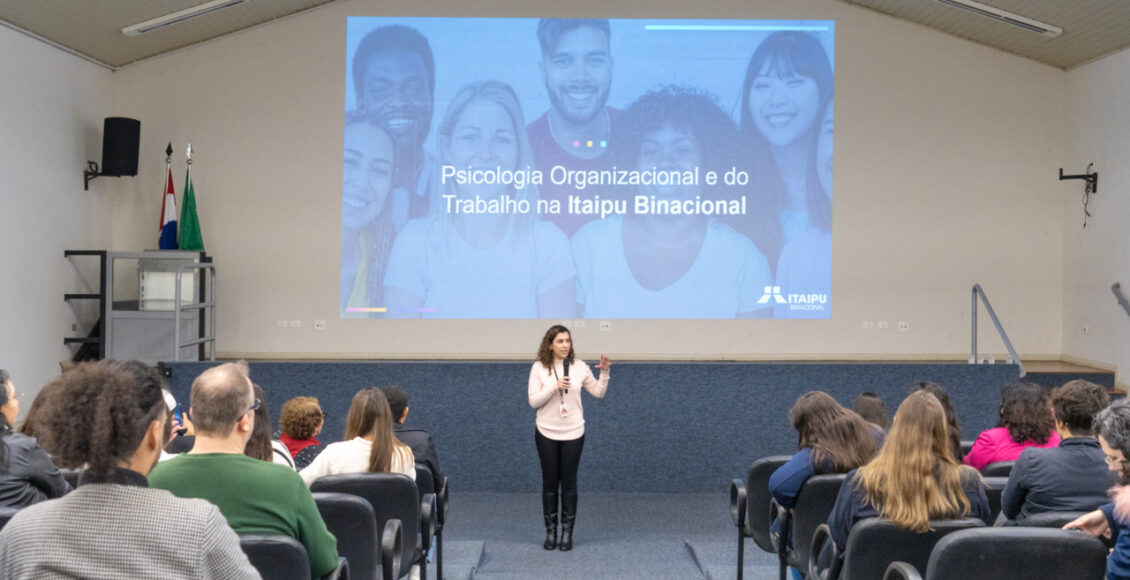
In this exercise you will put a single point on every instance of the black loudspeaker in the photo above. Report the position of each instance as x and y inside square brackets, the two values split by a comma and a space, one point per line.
[120, 137]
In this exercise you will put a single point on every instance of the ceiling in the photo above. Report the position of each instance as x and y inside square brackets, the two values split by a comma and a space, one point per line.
[1091, 28]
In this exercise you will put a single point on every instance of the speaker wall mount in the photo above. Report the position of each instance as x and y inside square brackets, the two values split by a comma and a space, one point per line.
[120, 145]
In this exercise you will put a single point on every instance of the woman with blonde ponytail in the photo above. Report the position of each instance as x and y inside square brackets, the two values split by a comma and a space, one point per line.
[914, 479]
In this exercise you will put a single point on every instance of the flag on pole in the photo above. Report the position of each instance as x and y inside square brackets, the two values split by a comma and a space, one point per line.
[190, 237]
[169, 216]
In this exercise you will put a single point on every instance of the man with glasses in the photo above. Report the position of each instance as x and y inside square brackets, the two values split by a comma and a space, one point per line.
[256, 497]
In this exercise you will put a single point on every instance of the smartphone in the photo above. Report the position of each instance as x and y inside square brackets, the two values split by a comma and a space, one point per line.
[178, 416]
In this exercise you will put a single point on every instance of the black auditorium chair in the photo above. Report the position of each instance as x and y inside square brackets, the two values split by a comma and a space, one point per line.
[749, 505]
[998, 469]
[392, 496]
[6, 515]
[426, 484]
[284, 558]
[875, 543]
[1048, 519]
[966, 447]
[994, 488]
[351, 520]
[814, 504]
[1010, 553]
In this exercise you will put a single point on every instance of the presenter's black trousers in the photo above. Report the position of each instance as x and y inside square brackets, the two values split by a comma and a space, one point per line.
[559, 463]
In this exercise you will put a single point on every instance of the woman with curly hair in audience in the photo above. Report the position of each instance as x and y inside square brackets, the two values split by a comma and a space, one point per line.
[301, 421]
[370, 444]
[1026, 421]
[27, 474]
[953, 427]
[914, 479]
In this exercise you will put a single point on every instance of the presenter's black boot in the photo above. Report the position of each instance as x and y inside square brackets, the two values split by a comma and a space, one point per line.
[568, 518]
[549, 507]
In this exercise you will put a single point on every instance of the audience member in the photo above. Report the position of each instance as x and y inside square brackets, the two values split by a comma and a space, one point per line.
[30, 426]
[830, 439]
[301, 421]
[1071, 477]
[953, 430]
[913, 480]
[870, 406]
[255, 496]
[27, 474]
[114, 526]
[1112, 425]
[261, 446]
[415, 437]
[369, 446]
[1026, 421]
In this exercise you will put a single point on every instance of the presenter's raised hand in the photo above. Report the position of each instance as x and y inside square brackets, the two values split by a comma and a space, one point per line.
[605, 364]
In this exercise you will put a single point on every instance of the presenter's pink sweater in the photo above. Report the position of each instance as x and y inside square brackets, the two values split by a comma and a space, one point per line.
[544, 396]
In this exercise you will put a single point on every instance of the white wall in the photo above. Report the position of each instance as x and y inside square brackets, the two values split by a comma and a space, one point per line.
[1098, 256]
[946, 159]
[51, 110]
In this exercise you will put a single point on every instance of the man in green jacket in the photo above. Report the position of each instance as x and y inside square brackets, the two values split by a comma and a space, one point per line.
[256, 497]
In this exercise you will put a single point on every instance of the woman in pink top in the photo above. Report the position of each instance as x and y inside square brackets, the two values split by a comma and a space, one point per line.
[1026, 421]
[560, 433]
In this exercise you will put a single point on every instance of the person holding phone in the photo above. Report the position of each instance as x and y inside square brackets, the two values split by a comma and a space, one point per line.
[556, 381]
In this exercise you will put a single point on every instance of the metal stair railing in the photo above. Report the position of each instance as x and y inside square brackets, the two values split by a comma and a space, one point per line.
[210, 306]
[1012, 356]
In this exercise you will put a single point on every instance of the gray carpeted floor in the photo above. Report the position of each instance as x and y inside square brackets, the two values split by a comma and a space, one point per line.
[492, 536]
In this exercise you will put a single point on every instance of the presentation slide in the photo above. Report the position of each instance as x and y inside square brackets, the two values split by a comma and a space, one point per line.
[587, 168]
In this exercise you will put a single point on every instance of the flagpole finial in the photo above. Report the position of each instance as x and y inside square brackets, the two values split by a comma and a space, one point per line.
[169, 153]
[188, 153]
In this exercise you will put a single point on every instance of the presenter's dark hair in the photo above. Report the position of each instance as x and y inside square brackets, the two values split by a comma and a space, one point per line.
[551, 29]
[397, 401]
[98, 413]
[545, 351]
[686, 109]
[5, 428]
[392, 37]
[1076, 403]
[953, 428]
[1026, 412]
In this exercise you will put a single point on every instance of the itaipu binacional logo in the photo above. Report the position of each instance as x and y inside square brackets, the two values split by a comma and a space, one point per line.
[794, 301]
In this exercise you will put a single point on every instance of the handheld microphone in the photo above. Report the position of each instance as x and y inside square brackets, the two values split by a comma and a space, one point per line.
[566, 367]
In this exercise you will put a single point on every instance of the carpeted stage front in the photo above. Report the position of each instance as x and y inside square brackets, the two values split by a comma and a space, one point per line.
[687, 427]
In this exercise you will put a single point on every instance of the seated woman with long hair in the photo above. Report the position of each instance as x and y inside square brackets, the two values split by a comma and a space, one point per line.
[27, 474]
[1026, 421]
[369, 446]
[953, 427]
[830, 439]
[914, 479]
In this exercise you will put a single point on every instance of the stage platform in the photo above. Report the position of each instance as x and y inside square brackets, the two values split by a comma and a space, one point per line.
[663, 427]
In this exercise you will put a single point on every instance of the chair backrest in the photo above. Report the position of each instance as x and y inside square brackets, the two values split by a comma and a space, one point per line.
[1049, 519]
[425, 482]
[998, 469]
[351, 520]
[6, 515]
[1009, 553]
[966, 447]
[814, 503]
[994, 488]
[757, 506]
[276, 557]
[874, 543]
[392, 496]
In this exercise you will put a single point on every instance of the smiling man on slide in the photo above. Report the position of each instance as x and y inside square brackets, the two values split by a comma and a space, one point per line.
[576, 65]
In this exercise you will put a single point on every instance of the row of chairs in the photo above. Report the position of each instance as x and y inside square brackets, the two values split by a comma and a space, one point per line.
[752, 511]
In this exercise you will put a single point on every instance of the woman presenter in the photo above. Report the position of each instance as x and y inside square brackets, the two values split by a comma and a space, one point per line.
[560, 433]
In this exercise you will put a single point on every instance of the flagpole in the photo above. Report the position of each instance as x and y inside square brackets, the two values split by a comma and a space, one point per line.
[188, 154]
[169, 158]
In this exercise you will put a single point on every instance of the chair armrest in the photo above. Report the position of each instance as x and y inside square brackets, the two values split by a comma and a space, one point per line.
[784, 532]
[901, 571]
[392, 549]
[739, 498]
[341, 572]
[442, 494]
[427, 521]
[822, 536]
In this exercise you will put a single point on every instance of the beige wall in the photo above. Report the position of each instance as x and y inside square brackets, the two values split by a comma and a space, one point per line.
[946, 153]
[1098, 256]
[51, 110]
